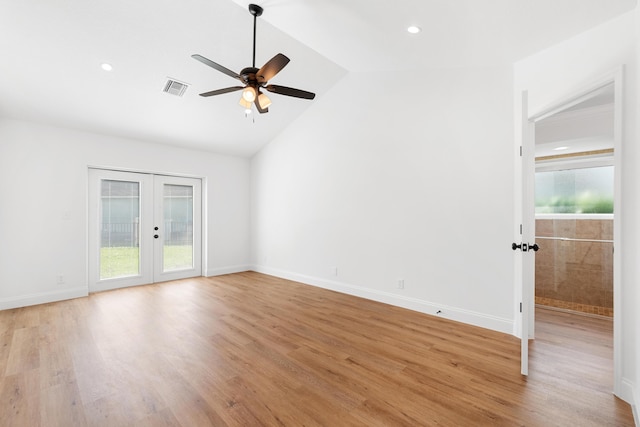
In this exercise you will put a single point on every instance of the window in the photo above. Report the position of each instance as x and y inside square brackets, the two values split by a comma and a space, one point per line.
[575, 191]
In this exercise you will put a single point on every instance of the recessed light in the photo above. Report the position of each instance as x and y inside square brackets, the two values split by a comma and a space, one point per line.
[106, 67]
[561, 148]
[414, 30]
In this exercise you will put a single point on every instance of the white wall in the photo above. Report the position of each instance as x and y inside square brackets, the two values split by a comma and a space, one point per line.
[634, 207]
[397, 176]
[43, 211]
[564, 70]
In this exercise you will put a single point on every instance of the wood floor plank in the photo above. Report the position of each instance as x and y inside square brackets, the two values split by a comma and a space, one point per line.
[164, 418]
[62, 405]
[250, 349]
[14, 400]
[6, 338]
[197, 412]
[24, 353]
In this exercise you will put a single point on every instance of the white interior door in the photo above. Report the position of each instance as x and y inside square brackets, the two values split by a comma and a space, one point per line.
[143, 228]
[525, 210]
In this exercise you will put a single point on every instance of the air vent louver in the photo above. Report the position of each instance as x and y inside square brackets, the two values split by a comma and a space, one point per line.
[175, 87]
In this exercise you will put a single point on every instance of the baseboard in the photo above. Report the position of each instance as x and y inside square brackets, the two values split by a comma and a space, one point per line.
[452, 313]
[227, 270]
[83, 291]
[43, 298]
[626, 393]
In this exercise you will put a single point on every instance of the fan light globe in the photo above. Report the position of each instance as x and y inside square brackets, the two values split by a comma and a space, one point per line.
[264, 101]
[245, 104]
[249, 94]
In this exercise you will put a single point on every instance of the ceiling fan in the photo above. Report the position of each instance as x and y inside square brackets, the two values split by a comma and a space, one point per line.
[255, 79]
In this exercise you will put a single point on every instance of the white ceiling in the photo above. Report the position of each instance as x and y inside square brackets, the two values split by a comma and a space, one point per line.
[51, 53]
[586, 126]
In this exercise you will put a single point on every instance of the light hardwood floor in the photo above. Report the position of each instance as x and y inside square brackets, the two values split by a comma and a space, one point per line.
[249, 349]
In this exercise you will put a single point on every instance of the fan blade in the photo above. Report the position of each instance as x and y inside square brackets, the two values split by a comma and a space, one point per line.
[272, 67]
[221, 91]
[215, 66]
[289, 91]
[259, 108]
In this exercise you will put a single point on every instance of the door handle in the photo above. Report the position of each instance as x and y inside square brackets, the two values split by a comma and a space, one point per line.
[155, 236]
[525, 247]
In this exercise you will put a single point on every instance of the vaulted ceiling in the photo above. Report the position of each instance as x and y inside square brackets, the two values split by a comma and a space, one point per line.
[51, 52]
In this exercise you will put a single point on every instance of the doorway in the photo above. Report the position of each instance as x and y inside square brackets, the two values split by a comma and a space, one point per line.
[612, 84]
[574, 198]
[143, 228]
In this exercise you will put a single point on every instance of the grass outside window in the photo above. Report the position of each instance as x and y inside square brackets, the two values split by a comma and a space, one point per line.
[125, 261]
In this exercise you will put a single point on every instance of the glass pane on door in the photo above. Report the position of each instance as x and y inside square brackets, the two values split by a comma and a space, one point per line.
[119, 229]
[178, 227]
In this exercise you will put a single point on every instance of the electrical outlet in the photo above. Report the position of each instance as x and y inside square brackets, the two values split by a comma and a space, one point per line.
[60, 280]
[400, 283]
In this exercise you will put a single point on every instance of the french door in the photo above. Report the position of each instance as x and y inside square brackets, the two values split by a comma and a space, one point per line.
[143, 228]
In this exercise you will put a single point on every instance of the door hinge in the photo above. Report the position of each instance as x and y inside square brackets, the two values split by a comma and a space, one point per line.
[520, 307]
[521, 229]
[521, 151]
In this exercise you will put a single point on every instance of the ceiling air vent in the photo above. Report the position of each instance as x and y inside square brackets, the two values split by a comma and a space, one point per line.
[174, 87]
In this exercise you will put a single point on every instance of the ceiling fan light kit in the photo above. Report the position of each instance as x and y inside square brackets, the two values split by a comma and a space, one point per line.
[253, 78]
[249, 94]
[264, 101]
[244, 103]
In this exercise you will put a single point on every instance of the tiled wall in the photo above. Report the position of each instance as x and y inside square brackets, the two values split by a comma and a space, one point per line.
[577, 273]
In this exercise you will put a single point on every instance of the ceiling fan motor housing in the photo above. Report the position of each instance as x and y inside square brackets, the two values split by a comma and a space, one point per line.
[249, 74]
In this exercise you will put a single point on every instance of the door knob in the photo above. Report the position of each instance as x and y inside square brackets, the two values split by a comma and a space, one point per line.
[525, 247]
[155, 228]
[155, 236]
